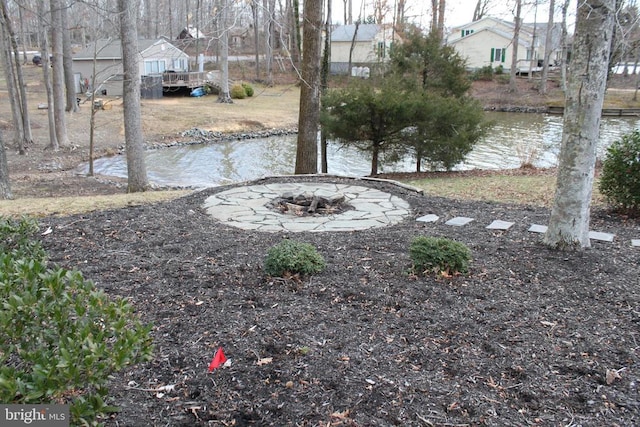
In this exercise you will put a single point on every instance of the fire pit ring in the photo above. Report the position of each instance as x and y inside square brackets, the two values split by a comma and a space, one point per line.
[252, 207]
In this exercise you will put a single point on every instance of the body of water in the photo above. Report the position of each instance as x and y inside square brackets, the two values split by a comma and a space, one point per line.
[514, 138]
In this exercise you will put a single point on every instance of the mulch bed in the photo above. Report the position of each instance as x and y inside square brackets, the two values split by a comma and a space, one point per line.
[530, 337]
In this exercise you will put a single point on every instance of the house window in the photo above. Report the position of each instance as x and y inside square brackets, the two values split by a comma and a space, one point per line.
[381, 50]
[498, 54]
[466, 32]
[154, 67]
[180, 64]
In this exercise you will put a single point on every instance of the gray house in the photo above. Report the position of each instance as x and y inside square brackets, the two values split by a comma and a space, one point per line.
[367, 44]
[155, 57]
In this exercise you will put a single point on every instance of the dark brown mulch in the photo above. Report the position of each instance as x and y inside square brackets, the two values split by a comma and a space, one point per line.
[530, 337]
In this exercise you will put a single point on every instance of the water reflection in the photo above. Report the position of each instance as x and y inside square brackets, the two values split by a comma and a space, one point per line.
[515, 138]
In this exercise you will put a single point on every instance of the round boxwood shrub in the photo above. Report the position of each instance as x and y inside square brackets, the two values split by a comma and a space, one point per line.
[620, 176]
[290, 257]
[248, 89]
[238, 92]
[437, 254]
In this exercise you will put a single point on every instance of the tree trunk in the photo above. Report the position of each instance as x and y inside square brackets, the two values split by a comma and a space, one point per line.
[569, 222]
[225, 96]
[565, 50]
[324, 81]
[5, 187]
[513, 84]
[375, 156]
[46, 74]
[547, 49]
[136, 168]
[309, 115]
[352, 47]
[67, 61]
[254, 10]
[14, 97]
[268, 41]
[58, 73]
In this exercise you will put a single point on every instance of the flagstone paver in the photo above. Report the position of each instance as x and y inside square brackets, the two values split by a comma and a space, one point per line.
[635, 242]
[428, 218]
[537, 228]
[500, 225]
[599, 235]
[459, 221]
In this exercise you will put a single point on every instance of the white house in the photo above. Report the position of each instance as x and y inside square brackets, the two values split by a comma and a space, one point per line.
[154, 58]
[370, 43]
[489, 42]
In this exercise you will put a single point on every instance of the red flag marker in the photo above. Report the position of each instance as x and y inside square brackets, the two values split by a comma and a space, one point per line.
[218, 359]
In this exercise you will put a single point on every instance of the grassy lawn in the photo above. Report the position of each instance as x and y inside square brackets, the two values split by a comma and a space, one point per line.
[537, 190]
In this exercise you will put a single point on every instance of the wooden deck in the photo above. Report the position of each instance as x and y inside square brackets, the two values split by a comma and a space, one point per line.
[615, 112]
[190, 80]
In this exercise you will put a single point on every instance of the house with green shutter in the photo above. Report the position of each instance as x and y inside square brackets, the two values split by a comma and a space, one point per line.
[489, 42]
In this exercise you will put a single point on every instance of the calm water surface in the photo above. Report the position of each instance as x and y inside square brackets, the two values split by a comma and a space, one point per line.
[514, 138]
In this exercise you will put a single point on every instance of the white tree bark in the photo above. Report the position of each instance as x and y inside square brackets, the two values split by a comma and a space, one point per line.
[224, 96]
[136, 168]
[569, 222]
[547, 49]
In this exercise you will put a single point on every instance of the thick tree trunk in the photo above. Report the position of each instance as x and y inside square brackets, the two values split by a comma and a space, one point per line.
[309, 114]
[58, 73]
[569, 222]
[67, 61]
[136, 168]
[5, 187]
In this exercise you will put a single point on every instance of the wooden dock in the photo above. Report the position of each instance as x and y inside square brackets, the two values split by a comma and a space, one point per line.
[609, 112]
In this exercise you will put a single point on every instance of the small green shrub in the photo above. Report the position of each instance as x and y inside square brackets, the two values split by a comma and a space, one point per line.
[291, 257]
[15, 238]
[248, 89]
[620, 176]
[485, 73]
[434, 254]
[61, 338]
[238, 92]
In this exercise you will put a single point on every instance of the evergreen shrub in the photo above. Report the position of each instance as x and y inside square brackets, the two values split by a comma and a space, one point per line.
[620, 176]
[248, 89]
[290, 257]
[238, 92]
[436, 254]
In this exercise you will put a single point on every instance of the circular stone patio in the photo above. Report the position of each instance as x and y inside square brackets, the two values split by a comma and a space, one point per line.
[247, 208]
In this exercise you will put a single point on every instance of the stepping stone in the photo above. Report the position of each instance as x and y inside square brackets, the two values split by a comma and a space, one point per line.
[598, 235]
[428, 218]
[500, 225]
[459, 221]
[537, 228]
[635, 242]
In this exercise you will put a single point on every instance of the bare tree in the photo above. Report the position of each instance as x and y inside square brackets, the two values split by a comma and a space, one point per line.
[67, 62]
[309, 114]
[136, 168]
[15, 81]
[570, 214]
[547, 49]
[225, 96]
[46, 74]
[513, 84]
[5, 187]
[482, 7]
[565, 51]
[324, 84]
[58, 73]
